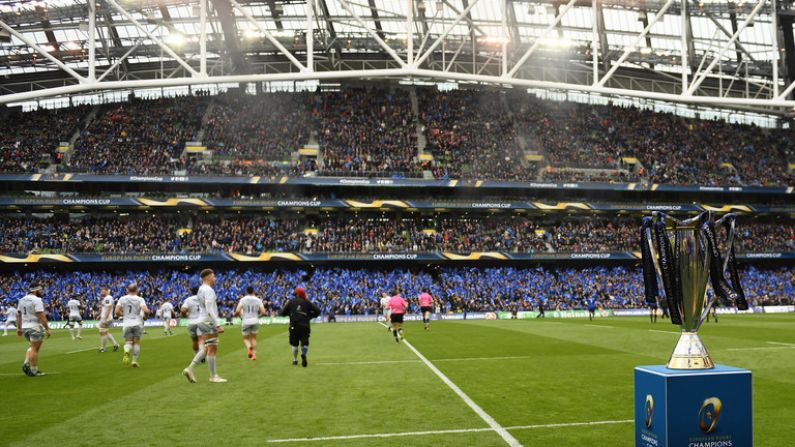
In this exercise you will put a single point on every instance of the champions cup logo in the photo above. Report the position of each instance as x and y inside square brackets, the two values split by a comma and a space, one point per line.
[649, 407]
[708, 414]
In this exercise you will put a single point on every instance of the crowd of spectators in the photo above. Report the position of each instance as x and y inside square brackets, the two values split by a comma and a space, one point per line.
[340, 233]
[366, 131]
[347, 291]
[472, 134]
[672, 148]
[27, 138]
[252, 129]
[772, 237]
[570, 134]
[143, 234]
[143, 137]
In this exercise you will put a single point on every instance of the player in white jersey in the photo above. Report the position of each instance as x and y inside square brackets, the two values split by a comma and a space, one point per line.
[30, 313]
[11, 319]
[190, 309]
[208, 329]
[75, 317]
[106, 319]
[385, 309]
[166, 313]
[133, 308]
[249, 309]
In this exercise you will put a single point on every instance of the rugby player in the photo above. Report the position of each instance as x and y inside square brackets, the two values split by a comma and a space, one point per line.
[30, 313]
[385, 309]
[106, 319]
[190, 308]
[75, 307]
[249, 309]
[166, 312]
[11, 319]
[207, 329]
[133, 310]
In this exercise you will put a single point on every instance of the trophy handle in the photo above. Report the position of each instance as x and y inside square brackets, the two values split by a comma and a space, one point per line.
[727, 221]
[667, 264]
[720, 286]
[647, 243]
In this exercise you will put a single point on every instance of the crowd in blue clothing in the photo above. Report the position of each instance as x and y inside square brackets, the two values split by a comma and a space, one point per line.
[358, 291]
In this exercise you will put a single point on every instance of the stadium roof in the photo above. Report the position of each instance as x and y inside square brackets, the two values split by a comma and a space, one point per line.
[731, 55]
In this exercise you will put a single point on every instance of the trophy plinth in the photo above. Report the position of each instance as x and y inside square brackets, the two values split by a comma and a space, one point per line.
[690, 353]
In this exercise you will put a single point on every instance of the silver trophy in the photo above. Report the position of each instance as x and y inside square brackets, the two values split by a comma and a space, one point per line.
[684, 256]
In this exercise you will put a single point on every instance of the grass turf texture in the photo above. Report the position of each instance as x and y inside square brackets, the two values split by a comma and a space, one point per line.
[553, 371]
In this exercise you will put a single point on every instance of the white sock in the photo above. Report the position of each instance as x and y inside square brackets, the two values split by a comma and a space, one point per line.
[211, 365]
[79, 328]
[295, 352]
[72, 331]
[200, 354]
[112, 340]
[136, 350]
[104, 341]
[127, 347]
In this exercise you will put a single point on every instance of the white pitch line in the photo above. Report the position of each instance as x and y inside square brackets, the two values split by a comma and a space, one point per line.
[781, 344]
[373, 362]
[445, 432]
[507, 437]
[381, 435]
[81, 350]
[600, 325]
[664, 332]
[389, 362]
[469, 359]
[570, 424]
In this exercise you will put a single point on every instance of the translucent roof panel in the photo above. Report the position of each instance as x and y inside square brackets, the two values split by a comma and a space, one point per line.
[623, 20]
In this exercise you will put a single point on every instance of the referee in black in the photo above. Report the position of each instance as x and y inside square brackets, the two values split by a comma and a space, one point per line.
[301, 312]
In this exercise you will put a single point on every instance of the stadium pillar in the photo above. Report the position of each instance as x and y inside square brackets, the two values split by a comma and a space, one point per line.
[203, 37]
[92, 27]
[789, 49]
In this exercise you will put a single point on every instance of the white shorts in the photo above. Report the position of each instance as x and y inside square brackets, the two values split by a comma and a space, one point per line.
[35, 333]
[248, 329]
[133, 332]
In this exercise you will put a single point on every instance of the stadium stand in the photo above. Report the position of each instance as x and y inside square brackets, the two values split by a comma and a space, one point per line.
[138, 137]
[30, 140]
[367, 133]
[340, 233]
[360, 132]
[350, 291]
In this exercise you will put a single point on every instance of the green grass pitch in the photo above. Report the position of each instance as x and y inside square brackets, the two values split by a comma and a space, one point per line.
[527, 375]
